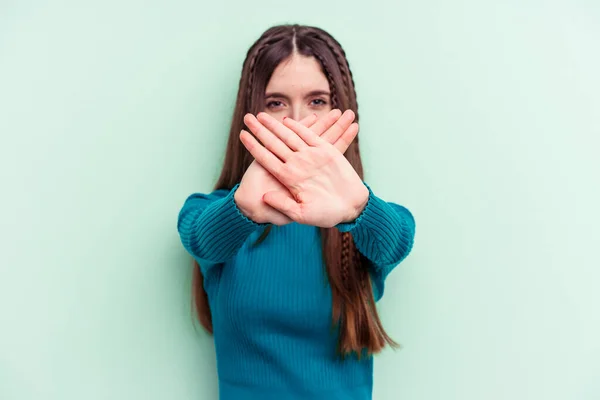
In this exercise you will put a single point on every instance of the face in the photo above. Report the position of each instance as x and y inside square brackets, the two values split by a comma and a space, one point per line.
[297, 89]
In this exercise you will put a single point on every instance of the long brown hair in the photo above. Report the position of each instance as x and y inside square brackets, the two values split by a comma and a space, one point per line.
[354, 309]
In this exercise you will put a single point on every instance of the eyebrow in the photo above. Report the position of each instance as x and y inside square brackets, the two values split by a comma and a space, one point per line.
[310, 94]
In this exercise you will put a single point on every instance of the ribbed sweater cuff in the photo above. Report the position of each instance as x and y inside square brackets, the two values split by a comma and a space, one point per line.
[222, 229]
[382, 232]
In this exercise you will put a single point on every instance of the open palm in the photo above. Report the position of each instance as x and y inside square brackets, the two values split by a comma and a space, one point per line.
[257, 181]
[323, 189]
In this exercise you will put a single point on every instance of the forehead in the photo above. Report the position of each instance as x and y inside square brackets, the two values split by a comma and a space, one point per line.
[298, 73]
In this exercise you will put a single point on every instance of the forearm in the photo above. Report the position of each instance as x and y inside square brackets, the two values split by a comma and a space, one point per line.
[214, 232]
[383, 232]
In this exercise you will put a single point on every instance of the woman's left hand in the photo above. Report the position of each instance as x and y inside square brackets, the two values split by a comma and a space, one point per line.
[324, 189]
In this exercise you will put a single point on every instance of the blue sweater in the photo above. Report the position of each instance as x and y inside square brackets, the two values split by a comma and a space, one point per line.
[271, 304]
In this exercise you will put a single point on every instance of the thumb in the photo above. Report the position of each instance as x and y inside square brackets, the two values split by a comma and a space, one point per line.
[283, 202]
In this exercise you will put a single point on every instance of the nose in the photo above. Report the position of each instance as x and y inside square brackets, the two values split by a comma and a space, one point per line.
[298, 113]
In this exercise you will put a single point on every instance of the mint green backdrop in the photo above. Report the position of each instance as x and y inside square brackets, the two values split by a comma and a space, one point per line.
[482, 117]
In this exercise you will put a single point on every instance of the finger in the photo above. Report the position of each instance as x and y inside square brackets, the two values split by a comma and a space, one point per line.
[339, 127]
[284, 203]
[267, 138]
[279, 130]
[277, 218]
[347, 138]
[309, 121]
[326, 122]
[306, 134]
[263, 156]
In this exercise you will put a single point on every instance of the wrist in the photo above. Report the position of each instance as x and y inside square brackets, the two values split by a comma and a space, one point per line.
[240, 206]
[358, 205]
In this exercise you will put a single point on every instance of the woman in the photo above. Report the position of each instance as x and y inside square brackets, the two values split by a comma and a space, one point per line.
[292, 248]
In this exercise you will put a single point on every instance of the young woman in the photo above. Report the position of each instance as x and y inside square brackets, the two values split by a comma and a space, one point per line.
[292, 248]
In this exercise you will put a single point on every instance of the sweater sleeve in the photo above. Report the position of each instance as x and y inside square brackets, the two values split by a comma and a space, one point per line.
[212, 228]
[384, 233]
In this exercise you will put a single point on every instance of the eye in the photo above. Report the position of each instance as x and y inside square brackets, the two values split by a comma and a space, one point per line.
[319, 102]
[274, 104]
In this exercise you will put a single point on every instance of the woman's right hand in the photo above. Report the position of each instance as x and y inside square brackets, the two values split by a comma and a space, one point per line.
[257, 181]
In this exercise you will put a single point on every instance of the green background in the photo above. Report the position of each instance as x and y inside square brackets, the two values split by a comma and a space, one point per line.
[482, 117]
